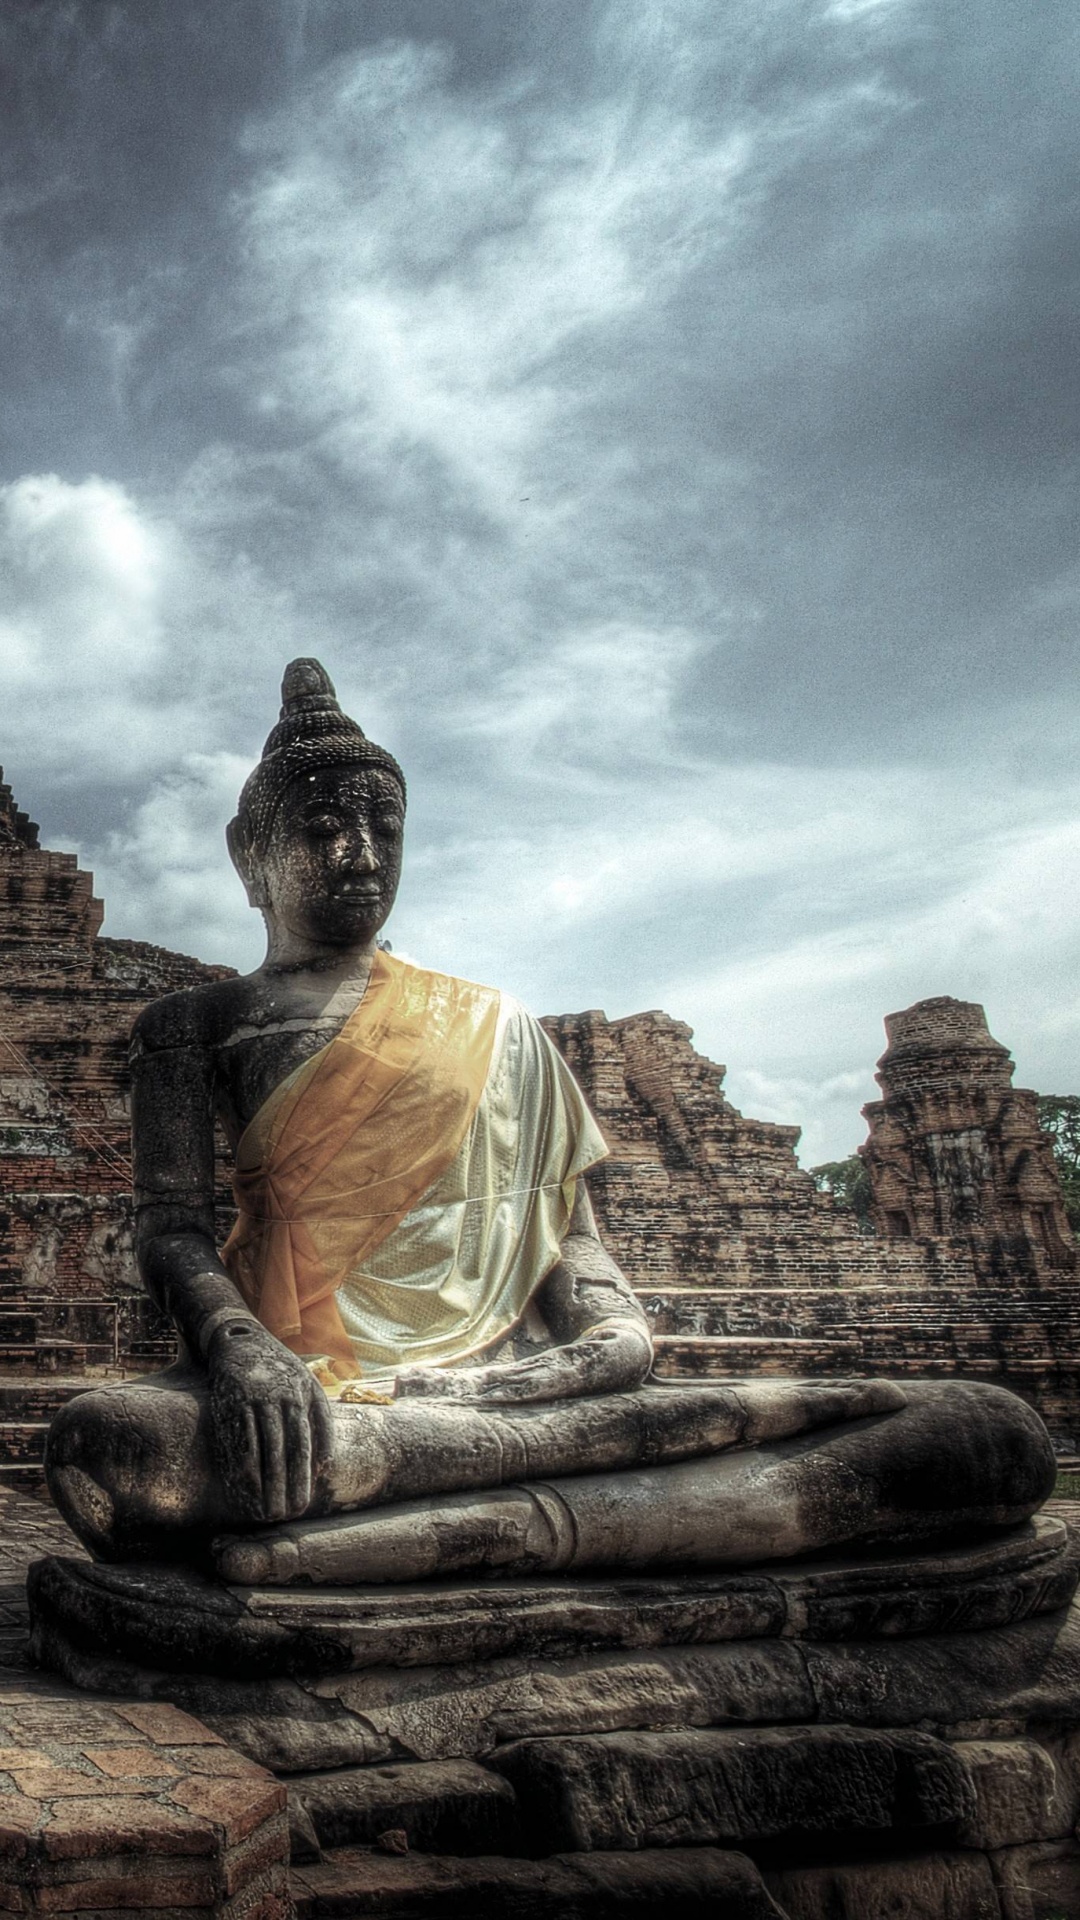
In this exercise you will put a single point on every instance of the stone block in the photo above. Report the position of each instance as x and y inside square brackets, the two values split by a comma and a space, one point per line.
[167, 1725]
[442, 1806]
[1016, 1797]
[699, 1884]
[1039, 1882]
[153, 1886]
[935, 1886]
[1062, 1745]
[1029, 1672]
[132, 1763]
[613, 1791]
[1015, 1676]
[238, 1807]
[303, 1839]
[49, 1782]
[19, 1818]
[82, 1829]
[314, 1734]
[444, 1714]
[261, 1852]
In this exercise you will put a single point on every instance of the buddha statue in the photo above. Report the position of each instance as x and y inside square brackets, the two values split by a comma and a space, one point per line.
[413, 1355]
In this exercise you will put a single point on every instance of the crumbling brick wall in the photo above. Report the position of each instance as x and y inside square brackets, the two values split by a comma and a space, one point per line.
[67, 1002]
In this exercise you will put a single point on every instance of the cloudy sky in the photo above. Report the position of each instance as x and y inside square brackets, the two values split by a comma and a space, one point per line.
[659, 415]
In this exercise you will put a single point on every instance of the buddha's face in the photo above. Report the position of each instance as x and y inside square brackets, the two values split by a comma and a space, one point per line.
[332, 867]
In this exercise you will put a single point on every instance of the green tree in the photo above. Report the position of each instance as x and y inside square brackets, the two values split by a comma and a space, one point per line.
[849, 1183]
[1059, 1116]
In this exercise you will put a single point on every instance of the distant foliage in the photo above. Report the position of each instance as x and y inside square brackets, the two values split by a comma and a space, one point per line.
[849, 1183]
[1059, 1116]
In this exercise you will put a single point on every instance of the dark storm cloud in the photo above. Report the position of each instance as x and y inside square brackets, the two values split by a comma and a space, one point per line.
[662, 418]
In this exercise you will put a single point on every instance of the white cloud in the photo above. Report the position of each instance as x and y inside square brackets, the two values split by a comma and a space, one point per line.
[1006, 933]
[588, 701]
[827, 1111]
[123, 640]
[81, 582]
[166, 876]
[426, 260]
[84, 576]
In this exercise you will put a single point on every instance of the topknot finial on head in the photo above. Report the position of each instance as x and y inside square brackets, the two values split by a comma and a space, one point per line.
[305, 680]
[310, 710]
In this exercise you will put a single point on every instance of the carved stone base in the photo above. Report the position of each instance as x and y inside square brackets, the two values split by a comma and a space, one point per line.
[862, 1738]
[169, 1617]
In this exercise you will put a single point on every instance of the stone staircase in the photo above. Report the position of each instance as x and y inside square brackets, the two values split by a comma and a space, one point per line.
[1026, 1339]
[51, 1349]
[26, 1408]
[41, 1333]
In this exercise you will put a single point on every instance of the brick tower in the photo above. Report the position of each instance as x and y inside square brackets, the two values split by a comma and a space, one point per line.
[955, 1149]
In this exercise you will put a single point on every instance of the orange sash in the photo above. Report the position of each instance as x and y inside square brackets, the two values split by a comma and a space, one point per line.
[347, 1145]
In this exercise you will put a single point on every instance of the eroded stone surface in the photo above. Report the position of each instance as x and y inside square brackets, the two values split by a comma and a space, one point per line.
[1016, 1793]
[937, 1886]
[695, 1884]
[659, 1479]
[1020, 1676]
[446, 1806]
[1039, 1882]
[758, 1784]
[167, 1617]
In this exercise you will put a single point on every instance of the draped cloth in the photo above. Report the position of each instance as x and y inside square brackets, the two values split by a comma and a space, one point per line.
[402, 1194]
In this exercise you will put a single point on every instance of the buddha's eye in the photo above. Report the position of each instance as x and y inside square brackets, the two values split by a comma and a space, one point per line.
[389, 823]
[324, 825]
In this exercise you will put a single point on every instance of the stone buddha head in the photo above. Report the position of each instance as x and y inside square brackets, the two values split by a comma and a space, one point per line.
[318, 830]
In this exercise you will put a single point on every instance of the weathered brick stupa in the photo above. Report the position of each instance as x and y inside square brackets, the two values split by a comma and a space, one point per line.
[955, 1148]
[744, 1266]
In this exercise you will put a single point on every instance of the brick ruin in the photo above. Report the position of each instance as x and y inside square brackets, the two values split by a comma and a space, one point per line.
[70, 1299]
[745, 1267]
[955, 1148]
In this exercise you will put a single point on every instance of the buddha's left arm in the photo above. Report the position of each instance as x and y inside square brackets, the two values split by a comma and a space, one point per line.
[601, 1335]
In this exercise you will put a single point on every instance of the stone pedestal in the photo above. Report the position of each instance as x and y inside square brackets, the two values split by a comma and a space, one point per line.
[863, 1738]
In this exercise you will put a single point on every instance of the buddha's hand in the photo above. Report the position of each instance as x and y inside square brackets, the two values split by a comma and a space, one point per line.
[611, 1358]
[272, 1429]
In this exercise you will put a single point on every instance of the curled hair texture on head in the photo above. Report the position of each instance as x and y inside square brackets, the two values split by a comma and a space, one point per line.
[311, 732]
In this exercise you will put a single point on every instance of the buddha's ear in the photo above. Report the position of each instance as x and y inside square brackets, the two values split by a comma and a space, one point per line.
[242, 857]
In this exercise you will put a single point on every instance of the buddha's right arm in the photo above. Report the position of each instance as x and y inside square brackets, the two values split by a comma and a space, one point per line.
[271, 1423]
[172, 1130]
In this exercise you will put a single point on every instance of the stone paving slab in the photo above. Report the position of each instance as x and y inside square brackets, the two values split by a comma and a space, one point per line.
[117, 1805]
[110, 1805]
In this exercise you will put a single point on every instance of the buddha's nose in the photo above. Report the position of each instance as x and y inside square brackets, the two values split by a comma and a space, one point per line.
[359, 854]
